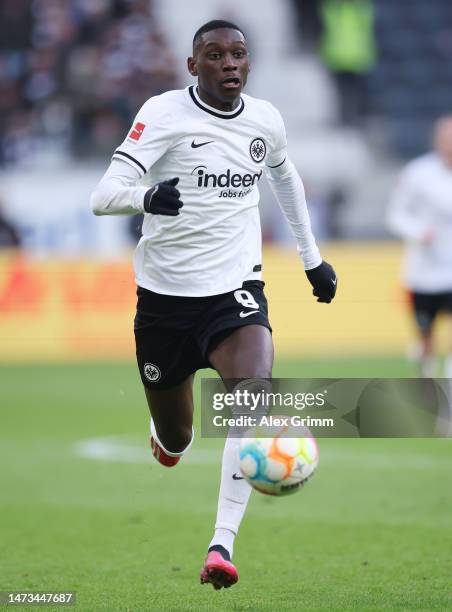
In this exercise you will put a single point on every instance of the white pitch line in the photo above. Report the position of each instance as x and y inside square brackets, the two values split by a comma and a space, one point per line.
[123, 449]
[119, 449]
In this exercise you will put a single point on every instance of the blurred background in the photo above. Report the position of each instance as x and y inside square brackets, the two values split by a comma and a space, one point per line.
[358, 82]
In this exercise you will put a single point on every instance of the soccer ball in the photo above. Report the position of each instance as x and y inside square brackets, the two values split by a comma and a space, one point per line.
[277, 465]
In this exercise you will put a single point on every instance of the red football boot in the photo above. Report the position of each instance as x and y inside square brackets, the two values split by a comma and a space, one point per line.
[218, 571]
[161, 456]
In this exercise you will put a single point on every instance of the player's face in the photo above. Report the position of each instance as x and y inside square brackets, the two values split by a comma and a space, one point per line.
[443, 140]
[221, 64]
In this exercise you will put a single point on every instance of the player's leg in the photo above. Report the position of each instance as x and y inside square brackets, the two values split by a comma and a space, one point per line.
[427, 361]
[167, 358]
[171, 421]
[245, 354]
[448, 358]
[447, 308]
[425, 311]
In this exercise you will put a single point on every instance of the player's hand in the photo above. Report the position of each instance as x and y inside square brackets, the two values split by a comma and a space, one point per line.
[324, 282]
[163, 199]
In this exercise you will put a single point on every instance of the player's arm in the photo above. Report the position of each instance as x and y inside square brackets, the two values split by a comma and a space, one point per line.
[288, 188]
[149, 138]
[403, 216]
[118, 194]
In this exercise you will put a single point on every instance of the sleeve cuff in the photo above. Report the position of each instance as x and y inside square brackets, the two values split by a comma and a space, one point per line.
[138, 198]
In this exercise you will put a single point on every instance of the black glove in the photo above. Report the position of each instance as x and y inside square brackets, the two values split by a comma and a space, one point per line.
[163, 199]
[324, 280]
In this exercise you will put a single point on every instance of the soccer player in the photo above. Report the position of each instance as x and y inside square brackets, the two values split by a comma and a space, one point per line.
[199, 154]
[420, 212]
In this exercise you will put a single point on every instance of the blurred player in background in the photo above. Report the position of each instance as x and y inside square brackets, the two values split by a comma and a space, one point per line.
[199, 154]
[420, 212]
[9, 235]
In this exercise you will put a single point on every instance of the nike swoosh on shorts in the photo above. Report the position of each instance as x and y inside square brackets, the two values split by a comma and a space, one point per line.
[247, 314]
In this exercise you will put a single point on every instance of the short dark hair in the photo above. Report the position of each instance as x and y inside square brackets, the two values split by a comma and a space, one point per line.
[215, 24]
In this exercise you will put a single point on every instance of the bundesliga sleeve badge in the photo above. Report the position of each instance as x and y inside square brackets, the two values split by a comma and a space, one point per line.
[137, 131]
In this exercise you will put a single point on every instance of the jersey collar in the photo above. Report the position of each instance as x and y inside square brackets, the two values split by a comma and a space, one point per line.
[193, 91]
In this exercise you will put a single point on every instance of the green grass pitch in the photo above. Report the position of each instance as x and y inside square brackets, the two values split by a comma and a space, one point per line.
[84, 506]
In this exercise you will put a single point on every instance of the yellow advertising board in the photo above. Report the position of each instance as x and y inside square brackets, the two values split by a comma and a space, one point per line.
[65, 310]
[60, 310]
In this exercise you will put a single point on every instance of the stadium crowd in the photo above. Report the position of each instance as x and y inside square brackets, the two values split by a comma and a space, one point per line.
[73, 73]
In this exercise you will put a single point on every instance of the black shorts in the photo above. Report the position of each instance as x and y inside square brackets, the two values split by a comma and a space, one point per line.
[428, 305]
[174, 335]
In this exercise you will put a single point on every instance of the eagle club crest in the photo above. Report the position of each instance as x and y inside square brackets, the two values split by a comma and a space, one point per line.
[258, 149]
[152, 372]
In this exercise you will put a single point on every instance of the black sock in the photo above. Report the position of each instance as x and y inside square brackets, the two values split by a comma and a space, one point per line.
[222, 550]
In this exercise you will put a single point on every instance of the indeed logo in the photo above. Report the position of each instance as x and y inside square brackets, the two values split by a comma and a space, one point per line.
[225, 180]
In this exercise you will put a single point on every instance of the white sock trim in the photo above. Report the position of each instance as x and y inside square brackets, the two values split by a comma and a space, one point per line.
[170, 453]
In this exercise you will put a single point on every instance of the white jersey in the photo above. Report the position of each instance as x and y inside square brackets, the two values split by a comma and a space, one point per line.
[422, 202]
[215, 242]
